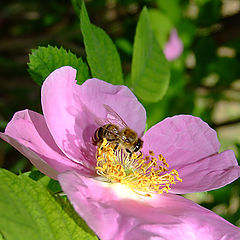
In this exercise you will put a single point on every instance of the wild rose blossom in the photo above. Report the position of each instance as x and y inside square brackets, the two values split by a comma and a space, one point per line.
[59, 143]
[174, 46]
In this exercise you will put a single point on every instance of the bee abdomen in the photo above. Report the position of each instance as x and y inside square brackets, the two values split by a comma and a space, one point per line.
[98, 136]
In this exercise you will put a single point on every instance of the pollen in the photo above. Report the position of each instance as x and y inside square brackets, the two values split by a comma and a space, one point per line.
[144, 175]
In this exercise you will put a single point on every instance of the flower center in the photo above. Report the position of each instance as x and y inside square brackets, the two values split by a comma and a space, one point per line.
[147, 174]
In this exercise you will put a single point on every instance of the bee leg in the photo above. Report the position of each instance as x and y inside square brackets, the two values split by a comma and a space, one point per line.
[115, 148]
[140, 155]
[129, 152]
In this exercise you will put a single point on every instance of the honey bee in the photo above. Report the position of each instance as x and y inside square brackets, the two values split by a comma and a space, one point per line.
[116, 131]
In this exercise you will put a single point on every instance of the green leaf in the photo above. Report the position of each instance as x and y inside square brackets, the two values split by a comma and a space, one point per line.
[29, 211]
[161, 25]
[77, 6]
[35, 175]
[50, 184]
[150, 70]
[102, 55]
[45, 60]
[1, 236]
[171, 8]
[3, 124]
[227, 68]
[124, 45]
[205, 53]
[187, 32]
[54, 186]
[209, 13]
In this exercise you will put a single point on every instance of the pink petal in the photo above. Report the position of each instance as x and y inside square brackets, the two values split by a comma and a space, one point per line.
[32, 156]
[207, 174]
[28, 133]
[163, 216]
[174, 47]
[191, 147]
[71, 110]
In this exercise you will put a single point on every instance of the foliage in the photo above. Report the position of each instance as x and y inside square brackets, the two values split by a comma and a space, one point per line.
[34, 213]
[150, 70]
[102, 54]
[45, 60]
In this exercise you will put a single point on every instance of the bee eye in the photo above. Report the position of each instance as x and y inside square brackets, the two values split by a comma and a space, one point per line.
[138, 145]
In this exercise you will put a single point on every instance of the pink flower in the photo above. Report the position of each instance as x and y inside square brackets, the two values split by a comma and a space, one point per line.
[60, 141]
[174, 47]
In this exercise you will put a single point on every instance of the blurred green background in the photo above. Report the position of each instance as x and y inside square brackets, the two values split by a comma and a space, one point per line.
[205, 79]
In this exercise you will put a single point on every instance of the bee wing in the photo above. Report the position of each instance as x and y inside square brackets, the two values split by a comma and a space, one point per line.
[111, 118]
[102, 121]
[114, 118]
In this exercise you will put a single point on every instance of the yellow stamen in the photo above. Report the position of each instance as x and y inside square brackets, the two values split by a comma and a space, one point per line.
[144, 175]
